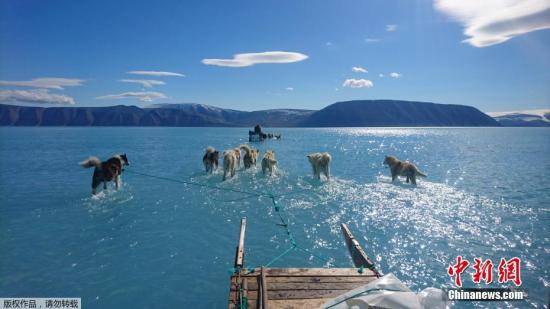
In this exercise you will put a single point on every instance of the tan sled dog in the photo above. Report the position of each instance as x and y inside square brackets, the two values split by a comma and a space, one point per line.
[238, 156]
[250, 156]
[406, 169]
[269, 162]
[320, 162]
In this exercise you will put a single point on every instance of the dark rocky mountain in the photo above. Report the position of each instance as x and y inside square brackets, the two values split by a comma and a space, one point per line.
[270, 117]
[348, 114]
[387, 113]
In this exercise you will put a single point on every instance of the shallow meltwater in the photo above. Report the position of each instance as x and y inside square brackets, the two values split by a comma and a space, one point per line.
[415, 232]
[169, 234]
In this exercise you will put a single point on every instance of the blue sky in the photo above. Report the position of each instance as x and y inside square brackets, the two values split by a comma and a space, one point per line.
[89, 47]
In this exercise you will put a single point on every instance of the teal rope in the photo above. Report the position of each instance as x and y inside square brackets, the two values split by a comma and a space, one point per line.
[234, 200]
[320, 257]
[275, 259]
[278, 209]
[198, 184]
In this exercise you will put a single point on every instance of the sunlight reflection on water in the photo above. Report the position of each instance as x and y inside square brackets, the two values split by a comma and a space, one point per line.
[483, 198]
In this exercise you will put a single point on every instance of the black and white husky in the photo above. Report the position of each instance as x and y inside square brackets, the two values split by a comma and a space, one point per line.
[106, 171]
[210, 159]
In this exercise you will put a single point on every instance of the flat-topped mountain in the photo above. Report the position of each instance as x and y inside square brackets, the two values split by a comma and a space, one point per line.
[342, 114]
[388, 113]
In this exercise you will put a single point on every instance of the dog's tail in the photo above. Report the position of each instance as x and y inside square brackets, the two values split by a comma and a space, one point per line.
[419, 173]
[246, 149]
[325, 158]
[91, 161]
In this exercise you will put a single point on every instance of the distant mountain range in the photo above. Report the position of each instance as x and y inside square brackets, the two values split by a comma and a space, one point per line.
[527, 118]
[361, 113]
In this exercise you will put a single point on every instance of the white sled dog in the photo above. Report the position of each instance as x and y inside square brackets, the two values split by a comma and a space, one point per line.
[229, 163]
[269, 162]
[320, 162]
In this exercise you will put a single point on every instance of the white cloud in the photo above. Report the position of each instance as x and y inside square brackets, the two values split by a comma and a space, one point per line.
[391, 28]
[380, 75]
[357, 83]
[34, 96]
[395, 75]
[147, 83]
[328, 44]
[490, 22]
[44, 82]
[289, 88]
[156, 73]
[248, 59]
[372, 40]
[359, 70]
[146, 96]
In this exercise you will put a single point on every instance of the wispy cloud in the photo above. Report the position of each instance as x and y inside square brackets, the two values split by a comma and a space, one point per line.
[156, 73]
[248, 59]
[372, 40]
[359, 70]
[44, 82]
[289, 88]
[491, 22]
[381, 75]
[34, 96]
[329, 44]
[395, 75]
[145, 96]
[147, 83]
[391, 28]
[357, 83]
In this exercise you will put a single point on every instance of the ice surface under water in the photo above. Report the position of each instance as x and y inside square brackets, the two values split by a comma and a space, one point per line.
[162, 241]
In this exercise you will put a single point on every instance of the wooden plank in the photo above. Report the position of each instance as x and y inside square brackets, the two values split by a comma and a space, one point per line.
[263, 284]
[297, 303]
[234, 297]
[279, 286]
[299, 294]
[232, 294]
[306, 284]
[239, 256]
[317, 272]
[319, 279]
[358, 255]
[251, 304]
[306, 279]
[245, 289]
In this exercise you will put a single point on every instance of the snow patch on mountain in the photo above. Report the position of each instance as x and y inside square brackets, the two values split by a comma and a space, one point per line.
[538, 113]
[533, 117]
